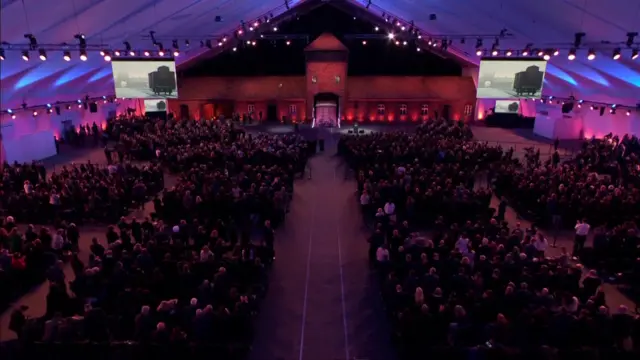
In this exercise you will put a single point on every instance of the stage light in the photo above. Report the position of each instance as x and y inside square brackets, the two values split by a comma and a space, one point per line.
[79, 106]
[176, 53]
[49, 106]
[187, 43]
[556, 52]
[404, 43]
[494, 51]
[240, 32]
[253, 43]
[275, 28]
[591, 55]
[402, 28]
[2, 54]
[256, 24]
[79, 101]
[540, 53]
[220, 43]
[83, 55]
[376, 28]
[616, 54]
[288, 42]
[132, 53]
[160, 52]
[418, 49]
[546, 56]
[261, 36]
[354, 18]
[479, 52]
[43, 54]
[508, 53]
[234, 49]
[634, 54]
[35, 113]
[364, 42]
[251, 28]
[397, 42]
[49, 111]
[628, 113]
[102, 52]
[68, 107]
[25, 56]
[107, 56]
[525, 52]
[13, 116]
[117, 53]
[572, 54]
[146, 53]
[248, 42]
[391, 36]
[591, 107]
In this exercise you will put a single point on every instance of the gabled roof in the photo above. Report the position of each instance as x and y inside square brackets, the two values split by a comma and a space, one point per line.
[326, 42]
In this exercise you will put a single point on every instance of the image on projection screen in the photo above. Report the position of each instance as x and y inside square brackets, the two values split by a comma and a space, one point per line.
[505, 106]
[155, 105]
[141, 79]
[511, 79]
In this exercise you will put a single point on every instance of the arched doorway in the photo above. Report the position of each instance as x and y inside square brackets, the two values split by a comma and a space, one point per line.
[325, 110]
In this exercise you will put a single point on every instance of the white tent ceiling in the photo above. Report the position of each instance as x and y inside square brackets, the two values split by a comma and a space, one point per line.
[544, 23]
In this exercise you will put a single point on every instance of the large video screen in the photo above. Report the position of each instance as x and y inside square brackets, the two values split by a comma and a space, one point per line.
[511, 79]
[145, 78]
[503, 106]
[155, 105]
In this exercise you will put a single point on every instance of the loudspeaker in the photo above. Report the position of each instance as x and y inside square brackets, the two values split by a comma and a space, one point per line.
[57, 110]
[85, 105]
[601, 110]
[93, 107]
[567, 107]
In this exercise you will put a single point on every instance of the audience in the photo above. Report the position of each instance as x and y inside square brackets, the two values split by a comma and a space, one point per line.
[75, 193]
[477, 284]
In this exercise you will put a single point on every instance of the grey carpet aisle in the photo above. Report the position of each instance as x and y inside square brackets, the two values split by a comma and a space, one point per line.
[317, 309]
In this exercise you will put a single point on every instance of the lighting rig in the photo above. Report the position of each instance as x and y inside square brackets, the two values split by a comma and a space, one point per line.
[489, 45]
[58, 106]
[592, 105]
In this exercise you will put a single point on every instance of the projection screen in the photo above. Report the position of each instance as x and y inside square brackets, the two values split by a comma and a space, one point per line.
[140, 78]
[511, 79]
[155, 105]
[505, 106]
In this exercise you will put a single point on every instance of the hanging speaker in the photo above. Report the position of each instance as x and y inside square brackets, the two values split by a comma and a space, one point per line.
[57, 110]
[567, 107]
[601, 110]
[93, 107]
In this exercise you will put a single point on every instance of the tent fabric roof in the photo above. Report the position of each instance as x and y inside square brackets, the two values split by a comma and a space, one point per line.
[551, 23]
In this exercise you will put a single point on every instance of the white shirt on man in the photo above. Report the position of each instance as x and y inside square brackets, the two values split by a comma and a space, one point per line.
[389, 208]
[582, 229]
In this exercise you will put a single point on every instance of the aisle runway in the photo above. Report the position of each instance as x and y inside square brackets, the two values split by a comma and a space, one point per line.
[322, 304]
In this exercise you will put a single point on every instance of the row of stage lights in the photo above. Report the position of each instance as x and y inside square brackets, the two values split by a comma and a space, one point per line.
[613, 108]
[68, 105]
[547, 54]
[160, 51]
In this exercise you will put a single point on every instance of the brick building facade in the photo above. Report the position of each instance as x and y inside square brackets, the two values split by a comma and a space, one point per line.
[361, 98]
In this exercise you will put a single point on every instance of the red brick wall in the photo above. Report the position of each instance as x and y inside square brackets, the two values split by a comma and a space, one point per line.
[325, 74]
[360, 96]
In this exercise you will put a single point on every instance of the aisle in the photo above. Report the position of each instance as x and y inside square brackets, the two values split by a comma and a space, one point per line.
[317, 309]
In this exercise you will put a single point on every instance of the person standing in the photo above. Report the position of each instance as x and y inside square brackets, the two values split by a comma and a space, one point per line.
[582, 230]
